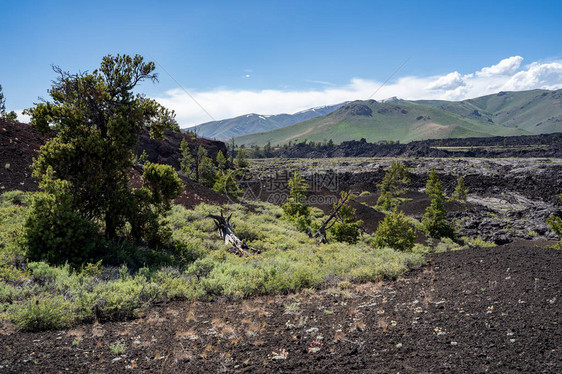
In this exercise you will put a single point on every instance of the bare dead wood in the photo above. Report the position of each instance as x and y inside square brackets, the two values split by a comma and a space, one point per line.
[226, 233]
[332, 218]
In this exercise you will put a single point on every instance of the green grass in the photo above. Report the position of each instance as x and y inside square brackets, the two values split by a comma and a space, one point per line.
[117, 348]
[37, 296]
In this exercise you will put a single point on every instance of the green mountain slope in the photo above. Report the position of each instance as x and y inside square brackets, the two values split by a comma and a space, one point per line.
[399, 120]
[536, 111]
[502, 114]
[251, 123]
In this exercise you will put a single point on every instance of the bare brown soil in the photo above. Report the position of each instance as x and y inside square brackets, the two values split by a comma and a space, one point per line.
[472, 311]
[19, 144]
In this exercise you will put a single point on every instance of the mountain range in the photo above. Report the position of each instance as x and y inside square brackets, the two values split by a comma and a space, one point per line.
[501, 114]
[252, 123]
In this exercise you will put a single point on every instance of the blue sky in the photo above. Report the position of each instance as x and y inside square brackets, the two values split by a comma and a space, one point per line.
[236, 57]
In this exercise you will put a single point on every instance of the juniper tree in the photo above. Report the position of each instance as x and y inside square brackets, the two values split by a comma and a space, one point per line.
[206, 171]
[226, 183]
[230, 150]
[434, 220]
[294, 208]
[393, 185]
[186, 158]
[346, 226]
[98, 119]
[298, 187]
[395, 232]
[221, 161]
[460, 192]
[161, 185]
[197, 161]
[241, 161]
[433, 186]
[342, 223]
[267, 149]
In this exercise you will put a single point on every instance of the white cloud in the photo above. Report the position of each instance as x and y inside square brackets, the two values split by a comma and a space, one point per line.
[450, 81]
[224, 103]
[547, 76]
[23, 118]
[506, 66]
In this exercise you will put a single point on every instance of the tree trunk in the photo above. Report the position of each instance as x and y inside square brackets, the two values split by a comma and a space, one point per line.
[110, 226]
[226, 233]
[332, 219]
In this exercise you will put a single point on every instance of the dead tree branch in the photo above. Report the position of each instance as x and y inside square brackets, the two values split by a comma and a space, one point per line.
[332, 218]
[226, 233]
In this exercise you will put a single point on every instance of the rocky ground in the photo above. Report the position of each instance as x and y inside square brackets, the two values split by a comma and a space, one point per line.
[544, 145]
[474, 311]
[508, 198]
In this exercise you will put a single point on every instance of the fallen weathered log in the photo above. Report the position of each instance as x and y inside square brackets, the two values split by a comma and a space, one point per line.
[226, 233]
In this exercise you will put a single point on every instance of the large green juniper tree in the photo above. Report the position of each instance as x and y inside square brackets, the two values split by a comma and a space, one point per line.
[97, 120]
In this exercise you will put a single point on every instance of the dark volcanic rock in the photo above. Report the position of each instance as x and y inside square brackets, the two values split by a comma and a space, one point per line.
[356, 109]
[20, 142]
[545, 145]
[167, 151]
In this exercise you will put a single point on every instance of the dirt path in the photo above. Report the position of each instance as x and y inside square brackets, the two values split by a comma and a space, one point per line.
[480, 310]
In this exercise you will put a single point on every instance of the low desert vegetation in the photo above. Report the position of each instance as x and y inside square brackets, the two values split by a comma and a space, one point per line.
[38, 295]
[89, 247]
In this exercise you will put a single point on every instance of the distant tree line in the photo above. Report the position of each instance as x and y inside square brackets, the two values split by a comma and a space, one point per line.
[268, 150]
